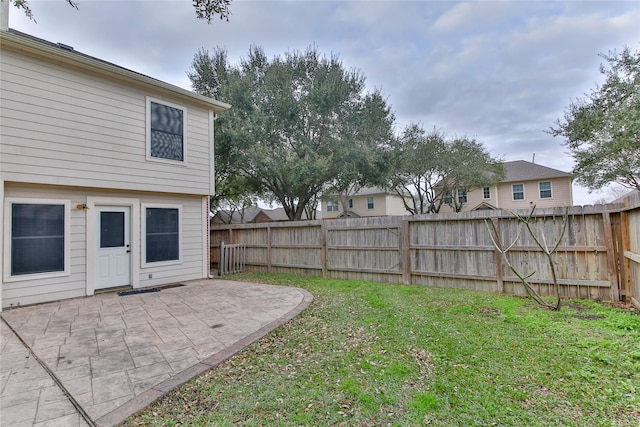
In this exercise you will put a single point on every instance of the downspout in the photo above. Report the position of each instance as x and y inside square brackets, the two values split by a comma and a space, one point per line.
[4, 26]
[212, 188]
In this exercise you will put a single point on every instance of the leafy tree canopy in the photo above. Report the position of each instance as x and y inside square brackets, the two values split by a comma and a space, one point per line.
[299, 122]
[602, 130]
[205, 9]
[428, 166]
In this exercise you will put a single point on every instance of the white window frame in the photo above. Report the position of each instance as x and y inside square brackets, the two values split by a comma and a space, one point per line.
[486, 193]
[182, 162]
[143, 234]
[513, 192]
[371, 203]
[332, 206]
[550, 190]
[462, 194]
[447, 197]
[9, 201]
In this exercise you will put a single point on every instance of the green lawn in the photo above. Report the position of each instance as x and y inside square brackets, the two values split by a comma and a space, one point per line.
[371, 354]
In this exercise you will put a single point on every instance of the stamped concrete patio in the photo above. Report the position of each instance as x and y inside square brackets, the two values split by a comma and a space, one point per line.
[97, 360]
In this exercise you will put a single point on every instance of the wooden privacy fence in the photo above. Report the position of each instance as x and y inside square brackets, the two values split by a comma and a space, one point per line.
[598, 256]
[232, 258]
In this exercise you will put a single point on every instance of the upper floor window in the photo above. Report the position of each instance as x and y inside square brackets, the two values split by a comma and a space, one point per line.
[39, 238]
[545, 190]
[518, 191]
[332, 206]
[370, 202]
[166, 134]
[350, 203]
[486, 193]
[447, 197]
[462, 196]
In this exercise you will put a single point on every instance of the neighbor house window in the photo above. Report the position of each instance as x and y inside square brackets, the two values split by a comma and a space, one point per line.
[370, 202]
[448, 197]
[332, 206]
[518, 191]
[545, 190]
[462, 196]
[161, 231]
[165, 131]
[39, 237]
[486, 193]
[350, 203]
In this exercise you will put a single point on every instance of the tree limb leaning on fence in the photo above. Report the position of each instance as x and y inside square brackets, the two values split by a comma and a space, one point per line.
[541, 242]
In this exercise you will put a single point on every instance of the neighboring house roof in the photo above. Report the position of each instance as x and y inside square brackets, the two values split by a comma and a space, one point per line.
[635, 193]
[251, 214]
[66, 54]
[349, 214]
[521, 170]
[484, 206]
[367, 191]
[364, 191]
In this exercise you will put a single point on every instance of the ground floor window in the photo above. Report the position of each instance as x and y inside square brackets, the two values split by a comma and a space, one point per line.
[162, 233]
[39, 236]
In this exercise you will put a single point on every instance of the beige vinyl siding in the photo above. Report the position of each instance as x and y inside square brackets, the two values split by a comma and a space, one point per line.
[193, 229]
[560, 192]
[502, 196]
[360, 205]
[474, 198]
[33, 291]
[193, 232]
[64, 127]
[383, 204]
[395, 206]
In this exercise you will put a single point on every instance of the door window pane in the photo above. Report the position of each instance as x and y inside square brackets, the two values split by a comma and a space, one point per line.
[37, 238]
[162, 234]
[111, 229]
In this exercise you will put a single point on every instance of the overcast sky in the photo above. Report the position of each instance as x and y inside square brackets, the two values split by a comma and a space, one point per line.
[498, 71]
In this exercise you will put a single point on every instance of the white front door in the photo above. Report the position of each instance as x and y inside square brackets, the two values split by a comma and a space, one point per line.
[114, 246]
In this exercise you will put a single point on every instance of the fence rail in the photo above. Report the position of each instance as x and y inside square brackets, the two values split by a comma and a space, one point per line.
[597, 258]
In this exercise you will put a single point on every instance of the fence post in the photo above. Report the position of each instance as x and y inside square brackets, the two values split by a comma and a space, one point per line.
[497, 257]
[221, 263]
[268, 249]
[611, 256]
[405, 251]
[625, 263]
[323, 244]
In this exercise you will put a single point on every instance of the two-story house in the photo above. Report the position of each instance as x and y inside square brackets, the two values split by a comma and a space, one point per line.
[525, 184]
[105, 175]
[369, 201]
